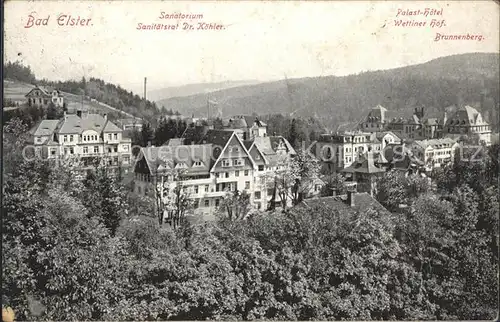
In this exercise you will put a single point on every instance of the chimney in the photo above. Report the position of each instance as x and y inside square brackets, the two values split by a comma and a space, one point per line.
[105, 116]
[145, 81]
[79, 113]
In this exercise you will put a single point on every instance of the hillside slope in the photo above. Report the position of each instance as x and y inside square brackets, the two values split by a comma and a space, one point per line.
[193, 89]
[15, 91]
[457, 79]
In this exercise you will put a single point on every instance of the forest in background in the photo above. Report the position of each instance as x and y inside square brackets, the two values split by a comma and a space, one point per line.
[452, 80]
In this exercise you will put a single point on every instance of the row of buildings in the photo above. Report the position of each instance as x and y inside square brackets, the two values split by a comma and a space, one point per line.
[207, 163]
[454, 123]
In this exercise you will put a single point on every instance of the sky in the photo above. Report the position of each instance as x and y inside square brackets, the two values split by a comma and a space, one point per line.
[260, 40]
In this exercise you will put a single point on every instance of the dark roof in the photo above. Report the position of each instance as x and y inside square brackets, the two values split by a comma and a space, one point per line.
[75, 124]
[218, 137]
[46, 127]
[365, 164]
[167, 158]
[274, 148]
[362, 202]
[405, 158]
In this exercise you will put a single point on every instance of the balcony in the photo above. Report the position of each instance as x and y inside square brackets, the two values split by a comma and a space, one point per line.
[212, 194]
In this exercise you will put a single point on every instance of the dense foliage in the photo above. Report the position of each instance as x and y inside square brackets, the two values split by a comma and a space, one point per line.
[19, 72]
[86, 251]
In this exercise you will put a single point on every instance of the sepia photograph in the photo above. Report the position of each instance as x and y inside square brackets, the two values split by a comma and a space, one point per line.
[250, 160]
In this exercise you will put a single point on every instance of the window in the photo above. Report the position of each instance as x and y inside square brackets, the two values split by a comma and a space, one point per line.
[196, 204]
[227, 174]
[126, 159]
[85, 149]
[217, 202]
[206, 188]
[71, 138]
[236, 149]
[257, 195]
[247, 184]
[237, 162]
[217, 174]
[226, 163]
[246, 173]
[71, 150]
[115, 149]
[96, 149]
[115, 136]
[236, 173]
[197, 164]
[53, 151]
[65, 138]
[65, 150]
[195, 189]
[261, 168]
[109, 136]
[125, 147]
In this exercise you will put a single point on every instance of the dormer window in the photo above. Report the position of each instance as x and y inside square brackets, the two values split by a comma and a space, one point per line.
[197, 164]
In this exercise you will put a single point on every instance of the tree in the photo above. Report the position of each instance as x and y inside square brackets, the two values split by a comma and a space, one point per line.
[146, 135]
[396, 189]
[53, 113]
[335, 183]
[105, 199]
[235, 205]
[304, 170]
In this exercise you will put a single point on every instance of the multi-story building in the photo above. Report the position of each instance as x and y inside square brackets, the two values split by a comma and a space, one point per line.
[271, 154]
[87, 137]
[467, 121]
[339, 150]
[209, 166]
[43, 96]
[435, 152]
[376, 120]
[365, 171]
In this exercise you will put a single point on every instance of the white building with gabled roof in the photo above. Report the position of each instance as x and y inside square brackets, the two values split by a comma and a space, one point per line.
[85, 136]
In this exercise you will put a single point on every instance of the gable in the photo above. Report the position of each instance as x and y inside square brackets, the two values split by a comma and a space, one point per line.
[257, 155]
[234, 149]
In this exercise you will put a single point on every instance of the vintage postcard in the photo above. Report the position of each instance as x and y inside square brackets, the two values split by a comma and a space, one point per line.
[250, 160]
